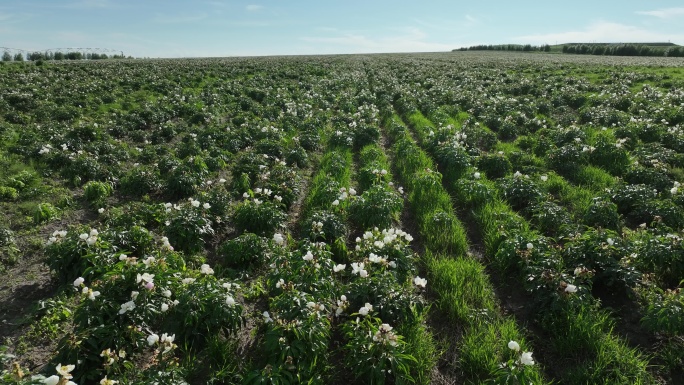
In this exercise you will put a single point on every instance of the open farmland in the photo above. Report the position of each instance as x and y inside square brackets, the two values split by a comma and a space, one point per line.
[365, 219]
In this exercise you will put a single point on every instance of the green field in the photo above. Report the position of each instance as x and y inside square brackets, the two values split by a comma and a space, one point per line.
[447, 218]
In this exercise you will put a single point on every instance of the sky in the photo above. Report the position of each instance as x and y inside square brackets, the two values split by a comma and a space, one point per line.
[211, 28]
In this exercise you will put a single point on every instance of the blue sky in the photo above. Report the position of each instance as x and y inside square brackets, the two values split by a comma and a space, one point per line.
[175, 28]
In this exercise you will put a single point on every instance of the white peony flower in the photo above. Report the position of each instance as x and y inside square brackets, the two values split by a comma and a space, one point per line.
[338, 268]
[526, 358]
[230, 301]
[152, 339]
[52, 380]
[514, 346]
[65, 371]
[420, 282]
[278, 238]
[205, 269]
[571, 289]
[78, 281]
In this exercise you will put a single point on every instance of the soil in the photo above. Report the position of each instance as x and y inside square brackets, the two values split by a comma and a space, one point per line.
[23, 286]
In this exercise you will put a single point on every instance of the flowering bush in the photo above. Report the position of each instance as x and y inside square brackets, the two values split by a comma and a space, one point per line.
[515, 371]
[521, 191]
[378, 206]
[602, 213]
[494, 165]
[324, 225]
[246, 250]
[375, 352]
[261, 217]
[120, 313]
[189, 226]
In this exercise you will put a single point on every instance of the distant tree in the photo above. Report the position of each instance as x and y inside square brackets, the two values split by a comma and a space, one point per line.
[674, 52]
[59, 55]
[6, 56]
[18, 57]
[33, 56]
[74, 56]
[598, 50]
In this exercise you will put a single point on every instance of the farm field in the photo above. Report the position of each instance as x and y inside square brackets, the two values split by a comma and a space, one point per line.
[447, 218]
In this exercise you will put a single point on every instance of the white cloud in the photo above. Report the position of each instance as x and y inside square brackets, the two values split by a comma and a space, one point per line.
[254, 7]
[409, 40]
[664, 13]
[602, 32]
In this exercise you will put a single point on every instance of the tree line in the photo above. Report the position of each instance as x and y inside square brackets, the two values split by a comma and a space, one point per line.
[57, 55]
[507, 47]
[626, 49]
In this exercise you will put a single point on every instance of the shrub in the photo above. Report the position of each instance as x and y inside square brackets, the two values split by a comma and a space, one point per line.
[608, 156]
[97, 192]
[602, 213]
[44, 212]
[365, 134]
[8, 193]
[378, 207]
[520, 191]
[454, 162]
[566, 160]
[263, 218]
[494, 165]
[140, 181]
[189, 227]
[549, 217]
[375, 353]
[324, 225]
[664, 312]
[246, 250]
[648, 176]
[630, 198]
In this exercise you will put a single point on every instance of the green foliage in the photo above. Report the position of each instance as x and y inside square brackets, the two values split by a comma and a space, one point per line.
[520, 191]
[97, 192]
[665, 312]
[263, 218]
[189, 227]
[494, 165]
[44, 212]
[375, 354]
[379, 206]
[602, 213]
[8, 193]
[140, 181]
[326, 226]
[246, 250]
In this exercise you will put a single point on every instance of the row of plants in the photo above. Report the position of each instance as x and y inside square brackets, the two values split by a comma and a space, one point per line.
[560, 287]
[489, 347]
[559, 209]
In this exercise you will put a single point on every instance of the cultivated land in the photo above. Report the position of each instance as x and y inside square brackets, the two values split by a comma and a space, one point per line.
[441, 218]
